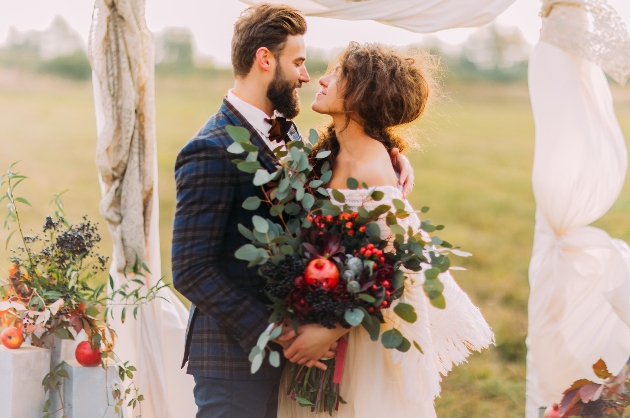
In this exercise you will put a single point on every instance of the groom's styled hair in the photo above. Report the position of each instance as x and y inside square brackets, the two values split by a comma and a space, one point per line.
[263, 25]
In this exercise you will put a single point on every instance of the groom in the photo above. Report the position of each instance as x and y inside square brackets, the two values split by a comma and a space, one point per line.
[229, 310]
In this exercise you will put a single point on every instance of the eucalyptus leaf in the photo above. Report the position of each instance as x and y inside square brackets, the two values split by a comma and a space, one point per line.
[391, 338]
[404, 346]
[323, 154]
[373, 327]
[322, 191]
[313, 137]
[238, 133]
[397, 229]
[251, 203]
[377, 195]
[275, 332]
[249, 166]
[326, 177]
[235, 148]
[286, 250]
[315, 183]
[367, 298]
[352, 183]
[406, 312]
[307, 201]
[247, 252]
[439, 302]
[354, 316]
[261, 177]
[339, 197]
[257, 362]
[276, 210]
[284, 184]
[274, 359]
[260, 224]
[431, 273]
[398, 204]
[372, 229]
[255, 351]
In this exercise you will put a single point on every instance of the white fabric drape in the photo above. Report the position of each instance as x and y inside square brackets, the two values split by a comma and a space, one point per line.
[121, 55]
[579, 306]
[422, 16]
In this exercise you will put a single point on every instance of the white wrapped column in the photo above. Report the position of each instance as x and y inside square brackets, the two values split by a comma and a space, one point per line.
[579, 275]
[88, 392]
[21, 373]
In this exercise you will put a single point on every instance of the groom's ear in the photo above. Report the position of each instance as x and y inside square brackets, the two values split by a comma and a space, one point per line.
[264, 59]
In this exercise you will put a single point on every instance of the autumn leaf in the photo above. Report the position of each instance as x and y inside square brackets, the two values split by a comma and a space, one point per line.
[601, 370]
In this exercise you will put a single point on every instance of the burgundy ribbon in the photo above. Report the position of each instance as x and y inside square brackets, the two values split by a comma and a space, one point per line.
[340, 358]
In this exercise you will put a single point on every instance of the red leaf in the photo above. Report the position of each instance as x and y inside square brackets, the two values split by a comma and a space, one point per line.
[601, 370]
[578, 384]
[569, 399]
[76, 323]
[590, 392]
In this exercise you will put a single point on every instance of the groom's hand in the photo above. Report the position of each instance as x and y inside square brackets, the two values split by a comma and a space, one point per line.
[403, 167]
[312, 343]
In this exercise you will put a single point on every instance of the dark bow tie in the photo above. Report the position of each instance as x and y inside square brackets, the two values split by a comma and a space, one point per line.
[279, 128]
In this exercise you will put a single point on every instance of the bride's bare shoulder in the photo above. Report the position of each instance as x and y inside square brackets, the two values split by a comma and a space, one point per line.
[376, 168]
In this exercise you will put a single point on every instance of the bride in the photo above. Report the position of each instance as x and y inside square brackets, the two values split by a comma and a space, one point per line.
[371, 91]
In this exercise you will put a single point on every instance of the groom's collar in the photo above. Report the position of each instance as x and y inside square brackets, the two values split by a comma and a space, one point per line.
[251, 113]
[265, 155]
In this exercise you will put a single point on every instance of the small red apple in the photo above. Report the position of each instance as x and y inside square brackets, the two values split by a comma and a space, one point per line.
[87, 356]
[322, 270]
[12, 337]
[552, 411]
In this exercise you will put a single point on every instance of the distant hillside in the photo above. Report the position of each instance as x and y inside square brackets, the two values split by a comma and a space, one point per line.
[493, 53]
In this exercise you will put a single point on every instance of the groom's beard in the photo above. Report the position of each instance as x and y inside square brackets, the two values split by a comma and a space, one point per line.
[282, 94]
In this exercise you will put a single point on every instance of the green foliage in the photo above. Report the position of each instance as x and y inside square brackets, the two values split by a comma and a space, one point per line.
[75, 66]
[49, 290]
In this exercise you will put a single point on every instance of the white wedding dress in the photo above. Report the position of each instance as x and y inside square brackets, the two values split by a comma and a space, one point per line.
[378, 382]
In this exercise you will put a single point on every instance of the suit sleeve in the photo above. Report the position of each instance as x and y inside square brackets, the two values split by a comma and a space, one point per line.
[205, 181]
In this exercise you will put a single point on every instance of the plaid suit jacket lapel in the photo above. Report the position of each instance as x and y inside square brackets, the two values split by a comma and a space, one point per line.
[265, 156]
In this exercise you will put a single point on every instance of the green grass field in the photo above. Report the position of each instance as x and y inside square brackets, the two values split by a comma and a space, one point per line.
[473, 169]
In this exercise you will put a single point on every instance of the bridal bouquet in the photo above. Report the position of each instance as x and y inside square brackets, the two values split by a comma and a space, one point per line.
[327, 264]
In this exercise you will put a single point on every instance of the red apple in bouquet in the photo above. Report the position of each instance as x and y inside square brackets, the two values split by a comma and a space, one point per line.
[12, 337]
[87, 356]
[323, 271]
[552, 411]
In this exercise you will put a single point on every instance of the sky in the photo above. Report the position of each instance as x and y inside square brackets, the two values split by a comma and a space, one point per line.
[211, 22]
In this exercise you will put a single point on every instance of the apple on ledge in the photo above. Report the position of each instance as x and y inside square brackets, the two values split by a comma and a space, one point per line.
[87, 356]
[12, 337]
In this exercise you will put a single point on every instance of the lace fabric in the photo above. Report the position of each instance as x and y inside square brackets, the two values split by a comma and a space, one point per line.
[590, 29]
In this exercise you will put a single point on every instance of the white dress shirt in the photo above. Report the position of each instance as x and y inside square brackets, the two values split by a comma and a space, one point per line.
[255, 117]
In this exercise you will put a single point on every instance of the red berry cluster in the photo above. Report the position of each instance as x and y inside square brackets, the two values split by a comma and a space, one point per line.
[346, 221]
[370, 252]
[382, 287]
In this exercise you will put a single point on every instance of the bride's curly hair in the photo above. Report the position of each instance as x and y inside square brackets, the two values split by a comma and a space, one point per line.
[384, 88]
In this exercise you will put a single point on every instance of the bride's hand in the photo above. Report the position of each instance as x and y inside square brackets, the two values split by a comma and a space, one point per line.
[403, 167]
[311, 344]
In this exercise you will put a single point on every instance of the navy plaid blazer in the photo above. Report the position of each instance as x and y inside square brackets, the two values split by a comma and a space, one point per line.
[229, 308]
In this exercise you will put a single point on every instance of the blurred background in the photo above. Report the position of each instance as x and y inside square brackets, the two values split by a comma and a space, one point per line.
[473, 162]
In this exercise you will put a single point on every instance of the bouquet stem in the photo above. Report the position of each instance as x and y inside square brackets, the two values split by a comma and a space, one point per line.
[315, 388]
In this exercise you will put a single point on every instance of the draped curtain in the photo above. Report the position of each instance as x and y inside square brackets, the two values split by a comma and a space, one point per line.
[121, 55]
[579, 306]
